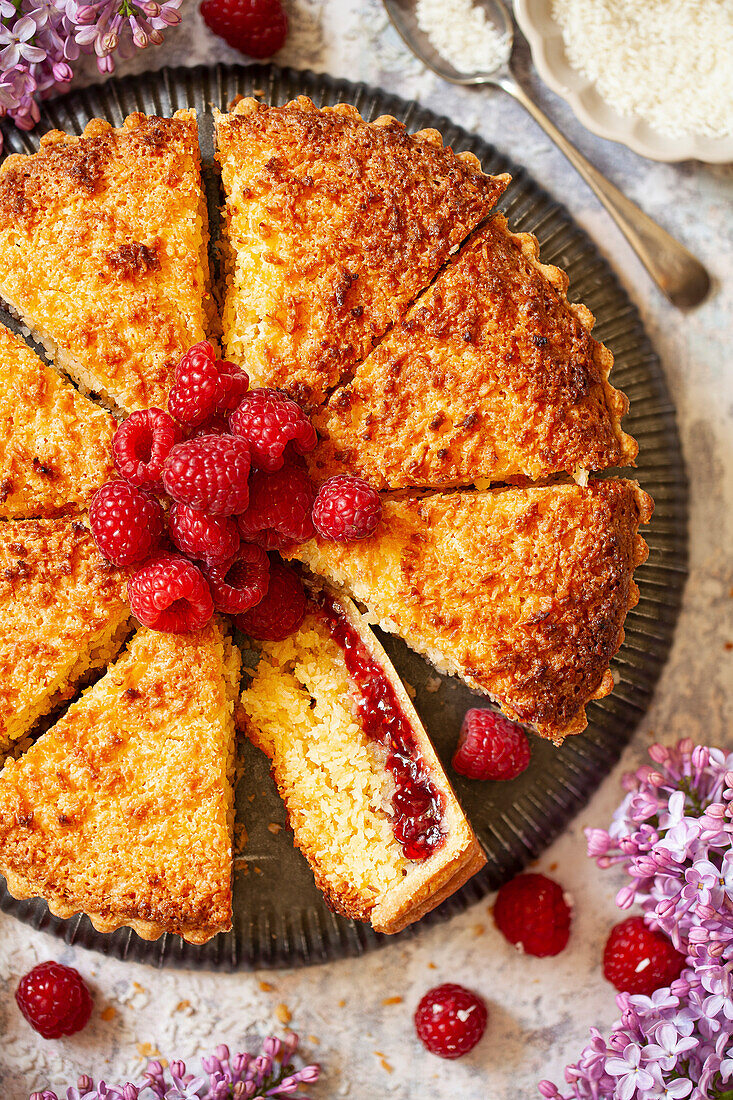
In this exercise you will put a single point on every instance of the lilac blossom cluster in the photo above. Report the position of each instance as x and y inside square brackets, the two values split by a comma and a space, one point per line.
[41, 39]
[672, 834]
[269, 1074]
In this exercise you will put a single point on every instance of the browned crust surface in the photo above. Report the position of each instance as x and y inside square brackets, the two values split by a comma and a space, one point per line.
[123, 809]
[490, 375]
[521, 592]
[335, 225]
[55, 446]
[425, 884]
[103, 251]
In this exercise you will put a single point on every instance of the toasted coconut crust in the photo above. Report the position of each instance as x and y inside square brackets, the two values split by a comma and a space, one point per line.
[123, 810]
[335, 225]
[406, 890]
[491, 375]
[103, 252]
[521, 592]
[55, 446]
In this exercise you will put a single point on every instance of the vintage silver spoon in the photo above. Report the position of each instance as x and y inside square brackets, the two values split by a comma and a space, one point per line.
[675, 270]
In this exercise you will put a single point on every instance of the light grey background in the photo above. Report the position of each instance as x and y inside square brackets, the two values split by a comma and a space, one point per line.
[540, 1009]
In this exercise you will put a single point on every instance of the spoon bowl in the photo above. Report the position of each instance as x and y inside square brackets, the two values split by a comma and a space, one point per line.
[403, 14]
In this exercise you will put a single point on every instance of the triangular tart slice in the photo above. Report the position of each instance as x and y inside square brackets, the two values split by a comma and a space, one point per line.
[334, 224]
[124, 809]
[103, 252]
[491, 375]
[55, 445]
[521, 592]
[64, 613]
[367, 799]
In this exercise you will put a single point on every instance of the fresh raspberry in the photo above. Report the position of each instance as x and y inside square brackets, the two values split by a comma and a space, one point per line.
[127, 524]
[490, 746]
[205, 386]
[255, 27]
[141, 445]
[209, 474]
[450, 1020]
[212, 539]
[241, 582]
[269, 421]
[346, 509]
[531, 910]
[279, 510]
[639, 960]
[281, 610]
[54, 1000]
[170, 594]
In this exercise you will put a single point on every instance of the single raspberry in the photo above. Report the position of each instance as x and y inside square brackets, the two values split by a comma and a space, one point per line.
[209, 474]
[270, 421]
[141, 445]
[170, 594]
[531, 910]
[205, 386]
[279, 510]
[212, 539]
[450, 1020]
[490, 746]
[54, 1000]
[127, 524]
[255, 27]
[346, 509]
[638, 960]
[280, 611]
[241, 582]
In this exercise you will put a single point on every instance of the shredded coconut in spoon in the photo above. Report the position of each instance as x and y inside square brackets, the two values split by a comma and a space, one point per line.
[462, 34]
[669, 62]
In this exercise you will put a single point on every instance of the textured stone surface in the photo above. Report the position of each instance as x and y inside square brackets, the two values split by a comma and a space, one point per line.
[540, 1008]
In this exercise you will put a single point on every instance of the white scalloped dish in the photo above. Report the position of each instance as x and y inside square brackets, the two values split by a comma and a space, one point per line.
[548, 53]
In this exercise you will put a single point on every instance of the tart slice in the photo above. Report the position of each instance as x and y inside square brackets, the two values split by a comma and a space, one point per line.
[521, 592]
[103, 252]
[124, 809]
[367, 799]
[492, 375]
[64, 613]
[55, 446]
[335, 224]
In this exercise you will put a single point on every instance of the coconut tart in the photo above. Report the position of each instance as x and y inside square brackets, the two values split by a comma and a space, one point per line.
[491, 375]
[366, 797]
[55, 445]
[522, 592]
[103, 252]
[64, 613]
[123, 810]
[334, 225]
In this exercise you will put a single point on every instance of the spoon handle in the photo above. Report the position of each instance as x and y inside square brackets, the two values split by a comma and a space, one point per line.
[675, 270]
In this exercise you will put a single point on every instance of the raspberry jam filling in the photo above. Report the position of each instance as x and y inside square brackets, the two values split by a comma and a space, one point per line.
[417, 806]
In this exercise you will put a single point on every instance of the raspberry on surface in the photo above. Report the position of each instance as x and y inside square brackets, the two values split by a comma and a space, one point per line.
[170, 594]
[272, 423]
[54, 999]
[280, 505]
[346, 509]
[241, 582]
[281, 610]
[127, 524]
[257, 28]
[490, 746]
[210, 474]
[450, 1020]
[141, 445]
[205, 386]
[531, 911]
[211, 539]
[638, 960]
